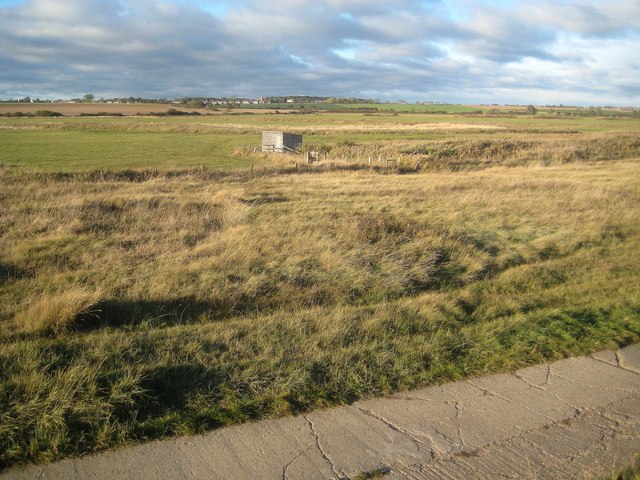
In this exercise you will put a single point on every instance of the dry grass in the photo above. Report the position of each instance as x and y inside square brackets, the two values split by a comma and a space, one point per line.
[225, 127]
[509, 150]
[56, 313]
[242, 246]
[136, 307]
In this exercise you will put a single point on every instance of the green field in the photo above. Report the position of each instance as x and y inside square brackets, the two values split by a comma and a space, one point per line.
[160, 298]
[89, 149]
[77, 144]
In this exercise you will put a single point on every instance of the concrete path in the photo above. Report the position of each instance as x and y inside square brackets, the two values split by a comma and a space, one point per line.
[574, 418]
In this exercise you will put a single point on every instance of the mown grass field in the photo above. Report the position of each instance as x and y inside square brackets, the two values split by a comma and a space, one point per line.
[55, 150]
[143, 304]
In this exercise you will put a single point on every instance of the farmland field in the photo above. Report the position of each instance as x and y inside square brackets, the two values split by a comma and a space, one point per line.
[93, 108]
[158, 277]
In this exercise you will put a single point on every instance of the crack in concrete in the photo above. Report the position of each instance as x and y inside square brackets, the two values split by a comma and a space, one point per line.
[42, 470]
[457, 459]
[517, 404]
[415, 399]
[399, 429]
[458, 407]
[285, 469]
[606, 435]
[562, 423]
[434, 450]
[619, 363]
[554, 395]
[618, 359]
[548, 377]
[442, 435]
[338, 475]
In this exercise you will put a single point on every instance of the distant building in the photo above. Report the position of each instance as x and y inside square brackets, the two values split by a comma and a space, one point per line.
[281, 142]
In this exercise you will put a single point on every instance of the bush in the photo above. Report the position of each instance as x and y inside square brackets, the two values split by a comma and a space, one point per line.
[47, 113]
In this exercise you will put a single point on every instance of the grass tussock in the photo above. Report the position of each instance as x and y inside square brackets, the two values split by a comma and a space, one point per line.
[56, 313]
[173, 304]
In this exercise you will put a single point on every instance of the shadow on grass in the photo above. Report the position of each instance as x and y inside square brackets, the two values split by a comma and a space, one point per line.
[170, 385]
[10, 272]
[190, 398]
[155, 313]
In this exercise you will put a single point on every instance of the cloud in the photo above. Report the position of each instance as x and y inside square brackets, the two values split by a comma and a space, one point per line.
[456, 50]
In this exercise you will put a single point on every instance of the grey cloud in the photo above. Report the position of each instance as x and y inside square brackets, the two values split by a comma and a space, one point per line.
[594, 18]
[168, 48]
[493, 36]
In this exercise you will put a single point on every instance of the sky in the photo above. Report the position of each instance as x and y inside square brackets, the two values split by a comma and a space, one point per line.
[543, 52]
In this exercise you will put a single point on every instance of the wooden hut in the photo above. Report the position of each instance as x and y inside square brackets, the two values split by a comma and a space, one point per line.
[281, 142]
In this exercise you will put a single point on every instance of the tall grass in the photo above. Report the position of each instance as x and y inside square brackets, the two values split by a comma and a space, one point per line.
[137, 308]
[55, 313]
[509, 150]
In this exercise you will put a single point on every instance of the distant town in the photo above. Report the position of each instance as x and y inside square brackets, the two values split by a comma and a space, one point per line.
[219, 101]
[287, 101]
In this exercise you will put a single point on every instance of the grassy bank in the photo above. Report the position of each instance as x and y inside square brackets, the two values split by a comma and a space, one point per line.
[134, 310]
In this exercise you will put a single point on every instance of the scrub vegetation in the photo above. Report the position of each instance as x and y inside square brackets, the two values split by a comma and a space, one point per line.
[141, 304]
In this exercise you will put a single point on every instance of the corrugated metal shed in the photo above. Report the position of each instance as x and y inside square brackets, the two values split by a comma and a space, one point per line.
[281, 142]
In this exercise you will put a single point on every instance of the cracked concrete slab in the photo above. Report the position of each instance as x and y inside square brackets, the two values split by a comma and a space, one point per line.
[569, 419]
[584, 446]
[431, 422]
[582, 382]
[354, 439]
[629, 358]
